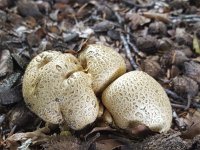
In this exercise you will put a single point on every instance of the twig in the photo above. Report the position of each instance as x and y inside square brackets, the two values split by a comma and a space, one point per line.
[126, 45]
[188, 102]
[174, 95]
[119, 18]
[179, 106]
[195, 104]
[132, 4]
[132, 45]
[185, 18]
[128, 52]
[180, 124]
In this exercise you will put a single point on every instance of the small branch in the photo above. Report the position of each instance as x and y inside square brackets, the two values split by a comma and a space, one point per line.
[188, 102]
[133, 4]
[125, 43]
[179, 106]
[180, 123]
[132, 45]
[185, 18]
[174, 95]
[128, 52]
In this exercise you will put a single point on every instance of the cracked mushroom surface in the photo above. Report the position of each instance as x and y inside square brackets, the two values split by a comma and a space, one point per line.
[103, 63]
[136, 98]
[57, 90]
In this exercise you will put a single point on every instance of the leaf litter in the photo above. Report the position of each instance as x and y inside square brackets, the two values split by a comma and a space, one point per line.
[158, 37]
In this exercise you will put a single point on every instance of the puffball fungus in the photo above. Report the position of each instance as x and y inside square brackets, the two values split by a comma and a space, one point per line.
[57, 90]
[136, 98]
[103, 63]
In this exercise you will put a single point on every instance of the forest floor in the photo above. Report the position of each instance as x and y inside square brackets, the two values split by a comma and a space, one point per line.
[161, 38]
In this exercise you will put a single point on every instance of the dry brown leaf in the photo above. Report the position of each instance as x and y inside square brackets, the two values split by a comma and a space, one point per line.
[82, 30]
[63, 143]
[161, 17]
[197, 59]
[136, 20]
[99, 129]
[6, 63]
[36, 136]
[192, 120]
[107, 144]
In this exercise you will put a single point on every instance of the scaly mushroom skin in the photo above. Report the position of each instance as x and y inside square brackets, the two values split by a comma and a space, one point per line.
[103, 63]
[55, 88]
[136, 98]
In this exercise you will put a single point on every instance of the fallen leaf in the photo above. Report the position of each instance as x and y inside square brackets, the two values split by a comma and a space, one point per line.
[28, 8]
[99, 129]
[11, 96]
[82, 30]
[192, 120]
[136, 20]
[21, 117]
[157, 16]
[196, 45]
[6, 64]
[62, 143]
[8, 82]
[103, 26]
[197, 59]
[36, 136]
[107, 144]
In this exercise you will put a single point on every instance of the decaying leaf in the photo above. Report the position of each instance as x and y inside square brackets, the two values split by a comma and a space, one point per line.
[185, 86]
[108, 144]
[21, 117]
[83, 31]
[9, 81]
[103, 26]
[20, 59]
[28, 8]
[6, 64]
[136, 20]
[192, 119]
[192, 70]
[37, 136]
[157, 16]
[99, 129]
[9, 93]
[182, 37]
[63, 143]
[11, 96]
[196, 45]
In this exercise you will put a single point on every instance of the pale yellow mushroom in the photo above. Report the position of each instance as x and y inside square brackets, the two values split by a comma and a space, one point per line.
[57, 90]
[103, 63]
[136, 98]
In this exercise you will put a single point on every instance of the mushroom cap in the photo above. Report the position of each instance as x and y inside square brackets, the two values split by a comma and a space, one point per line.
[55, 88]
[136, 98]
[103, 63]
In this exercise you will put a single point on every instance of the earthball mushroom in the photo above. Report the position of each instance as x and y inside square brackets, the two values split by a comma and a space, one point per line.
[58, 91]
[103, 63]
[135, 99]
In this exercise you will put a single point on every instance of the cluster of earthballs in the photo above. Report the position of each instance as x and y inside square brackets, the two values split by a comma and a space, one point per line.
[62, 88]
